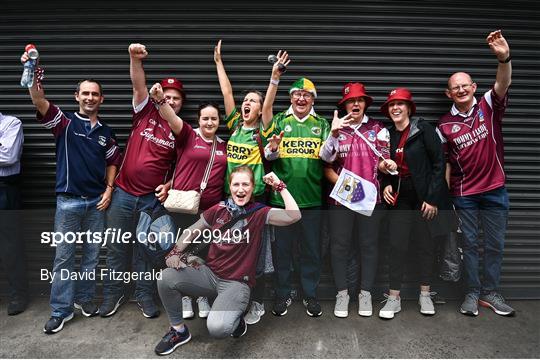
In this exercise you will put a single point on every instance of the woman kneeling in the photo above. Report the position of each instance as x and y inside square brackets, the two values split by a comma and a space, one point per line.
[234, 230]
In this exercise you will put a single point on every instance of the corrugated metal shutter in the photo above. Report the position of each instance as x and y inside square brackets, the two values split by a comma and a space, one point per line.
[384, 44]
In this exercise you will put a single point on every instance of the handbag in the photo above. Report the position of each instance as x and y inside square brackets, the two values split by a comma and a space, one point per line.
[187, 201]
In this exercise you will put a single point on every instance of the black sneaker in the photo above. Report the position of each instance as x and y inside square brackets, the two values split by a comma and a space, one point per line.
[110, 305]
[56, 323]
[148, 308]
[241, 329]
[16, 306]
[312, 307]
[87, 308]
[281, 305]
[172, 340]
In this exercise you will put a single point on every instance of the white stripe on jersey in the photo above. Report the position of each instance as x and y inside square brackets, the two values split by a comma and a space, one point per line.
[110, 152]
[54, 121]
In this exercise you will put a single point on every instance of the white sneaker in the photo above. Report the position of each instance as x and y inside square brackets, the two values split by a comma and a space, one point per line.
[426, 304]
[341, 309]
[256, 311]
[364, 304]
[187, 308]
[204, 307]
[392, 306]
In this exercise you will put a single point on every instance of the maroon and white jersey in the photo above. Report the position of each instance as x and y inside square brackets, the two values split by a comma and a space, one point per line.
[150, 152]
[473, 144]
[233, 253]
[193, 155]
[351, 152]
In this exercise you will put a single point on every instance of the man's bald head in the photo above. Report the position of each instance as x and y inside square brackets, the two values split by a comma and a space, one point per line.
[461, 90]
[459, 78]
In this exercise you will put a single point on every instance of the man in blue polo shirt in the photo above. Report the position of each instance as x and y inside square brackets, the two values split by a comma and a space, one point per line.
[87, 158]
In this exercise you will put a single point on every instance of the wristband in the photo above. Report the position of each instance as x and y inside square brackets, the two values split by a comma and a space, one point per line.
[280, 187]
[159, 102]
[173, 252]
[507, 60]
[274, 82]
[112, 187]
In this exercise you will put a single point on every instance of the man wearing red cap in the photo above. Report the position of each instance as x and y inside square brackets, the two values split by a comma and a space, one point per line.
[345, 149]
[472, 135]
[148, 161]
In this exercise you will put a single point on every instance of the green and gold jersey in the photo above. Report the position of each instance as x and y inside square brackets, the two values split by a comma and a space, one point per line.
[242, 149]
[299, 165]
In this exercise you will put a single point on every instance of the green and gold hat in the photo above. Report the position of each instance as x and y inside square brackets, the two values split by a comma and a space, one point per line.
[303, 84]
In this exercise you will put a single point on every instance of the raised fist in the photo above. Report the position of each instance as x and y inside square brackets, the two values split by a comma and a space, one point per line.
[137, 51]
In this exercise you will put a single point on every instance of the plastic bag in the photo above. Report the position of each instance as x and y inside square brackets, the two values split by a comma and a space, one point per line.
[451, 264]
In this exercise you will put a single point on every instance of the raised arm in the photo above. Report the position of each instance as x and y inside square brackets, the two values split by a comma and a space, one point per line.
[137, 53]
[267, 110]
[501, 49]
[224, 83]
[37, 95]
[165, 110]
[291, 213]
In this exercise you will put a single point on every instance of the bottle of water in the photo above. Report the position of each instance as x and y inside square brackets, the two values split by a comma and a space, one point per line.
[27, 78]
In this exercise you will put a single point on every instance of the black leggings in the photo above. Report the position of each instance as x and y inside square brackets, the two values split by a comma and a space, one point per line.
[345, 227]
[407, 225]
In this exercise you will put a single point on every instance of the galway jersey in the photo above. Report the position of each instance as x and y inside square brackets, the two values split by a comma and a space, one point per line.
[82, 152]
[473, 144]
[298, 164]
[233, 254]
[193, 156]
[354, 154]
[150, 152]
[243, 149]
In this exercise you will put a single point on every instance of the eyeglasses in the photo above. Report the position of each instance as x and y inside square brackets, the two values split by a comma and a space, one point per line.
[465, 87]
[355, 100]
[305, 95]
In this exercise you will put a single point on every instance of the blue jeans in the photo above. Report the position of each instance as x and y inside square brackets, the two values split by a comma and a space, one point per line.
[75, 214]
[491, 209]
[307, 233]
[122, 215]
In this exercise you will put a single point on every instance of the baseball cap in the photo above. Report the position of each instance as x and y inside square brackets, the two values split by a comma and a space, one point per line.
[173, 83]
[303, 84]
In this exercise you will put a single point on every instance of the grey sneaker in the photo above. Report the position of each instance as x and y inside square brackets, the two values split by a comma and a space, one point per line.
[256, 311]
[426, 304]
[364, 304]
[496, 302]
[204, 307]
[341, 309]
[187, 308]
[392, 306]
[469, 306]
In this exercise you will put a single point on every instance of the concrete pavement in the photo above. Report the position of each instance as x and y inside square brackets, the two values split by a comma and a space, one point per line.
[128, 334]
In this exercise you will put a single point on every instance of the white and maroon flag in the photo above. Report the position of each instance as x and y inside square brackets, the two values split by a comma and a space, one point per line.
[355, 192]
